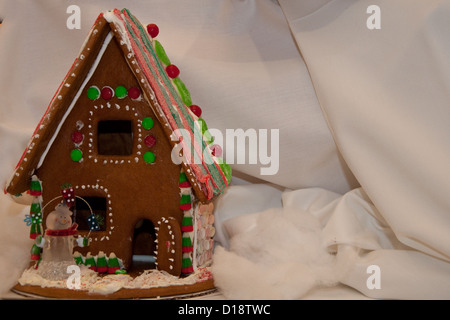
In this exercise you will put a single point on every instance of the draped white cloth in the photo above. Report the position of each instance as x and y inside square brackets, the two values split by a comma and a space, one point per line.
[362, 118]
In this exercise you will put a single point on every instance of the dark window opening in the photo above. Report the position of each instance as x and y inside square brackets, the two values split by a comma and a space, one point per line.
[115, 137]
[82, 213]
[144, 245]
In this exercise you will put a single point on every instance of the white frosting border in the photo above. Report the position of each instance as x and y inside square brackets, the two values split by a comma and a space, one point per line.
[75, 99]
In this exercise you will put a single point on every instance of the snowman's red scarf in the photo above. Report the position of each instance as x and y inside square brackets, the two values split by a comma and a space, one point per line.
[62, 233]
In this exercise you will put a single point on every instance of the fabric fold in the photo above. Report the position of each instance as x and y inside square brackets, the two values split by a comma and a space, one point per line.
[321, 239]
[385, 97]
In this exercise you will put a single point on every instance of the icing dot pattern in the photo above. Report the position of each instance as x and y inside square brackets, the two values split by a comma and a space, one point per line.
[109, 215]
[90, 133]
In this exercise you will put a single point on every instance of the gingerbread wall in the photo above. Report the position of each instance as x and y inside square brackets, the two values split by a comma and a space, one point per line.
[135, 186]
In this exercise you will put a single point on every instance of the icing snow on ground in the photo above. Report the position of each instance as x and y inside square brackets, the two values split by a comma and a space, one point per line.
[90, 280]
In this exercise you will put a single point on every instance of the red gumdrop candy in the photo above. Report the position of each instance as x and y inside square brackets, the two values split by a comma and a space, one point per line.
[77, 137]
[152, 30]
[107, 93]
[134, 93]
[216, 150]
[172, 71]
[149, 141]
[196, 110]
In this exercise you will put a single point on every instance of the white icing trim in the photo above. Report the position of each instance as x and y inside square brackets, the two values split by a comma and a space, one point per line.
[111, 17]
[91, 133]
[66, 114]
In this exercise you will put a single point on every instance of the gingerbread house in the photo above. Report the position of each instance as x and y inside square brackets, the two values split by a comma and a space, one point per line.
[123, 131]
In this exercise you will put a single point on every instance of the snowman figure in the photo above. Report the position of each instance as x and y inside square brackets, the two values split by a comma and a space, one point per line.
[58, 243]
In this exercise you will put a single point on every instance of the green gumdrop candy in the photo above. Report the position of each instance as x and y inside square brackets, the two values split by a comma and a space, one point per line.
[76, 155]
[183, 91]
[208, 137]
[93, 93]
[121, 92]
[161, 53]
[226, 169]
[202, 125]
[147, 123]
[149, 157]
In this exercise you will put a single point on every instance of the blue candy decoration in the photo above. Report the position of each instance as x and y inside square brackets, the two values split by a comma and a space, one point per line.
[27, 220]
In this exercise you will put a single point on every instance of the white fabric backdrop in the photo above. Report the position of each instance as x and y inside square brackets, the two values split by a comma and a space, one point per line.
[382, 94]
[393, 128]
[385, 96]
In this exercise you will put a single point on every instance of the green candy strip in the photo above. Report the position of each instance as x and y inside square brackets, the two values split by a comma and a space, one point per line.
[182, 90]
[157, 54]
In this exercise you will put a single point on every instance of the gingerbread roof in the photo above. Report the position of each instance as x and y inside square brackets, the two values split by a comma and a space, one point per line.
[167, 96]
